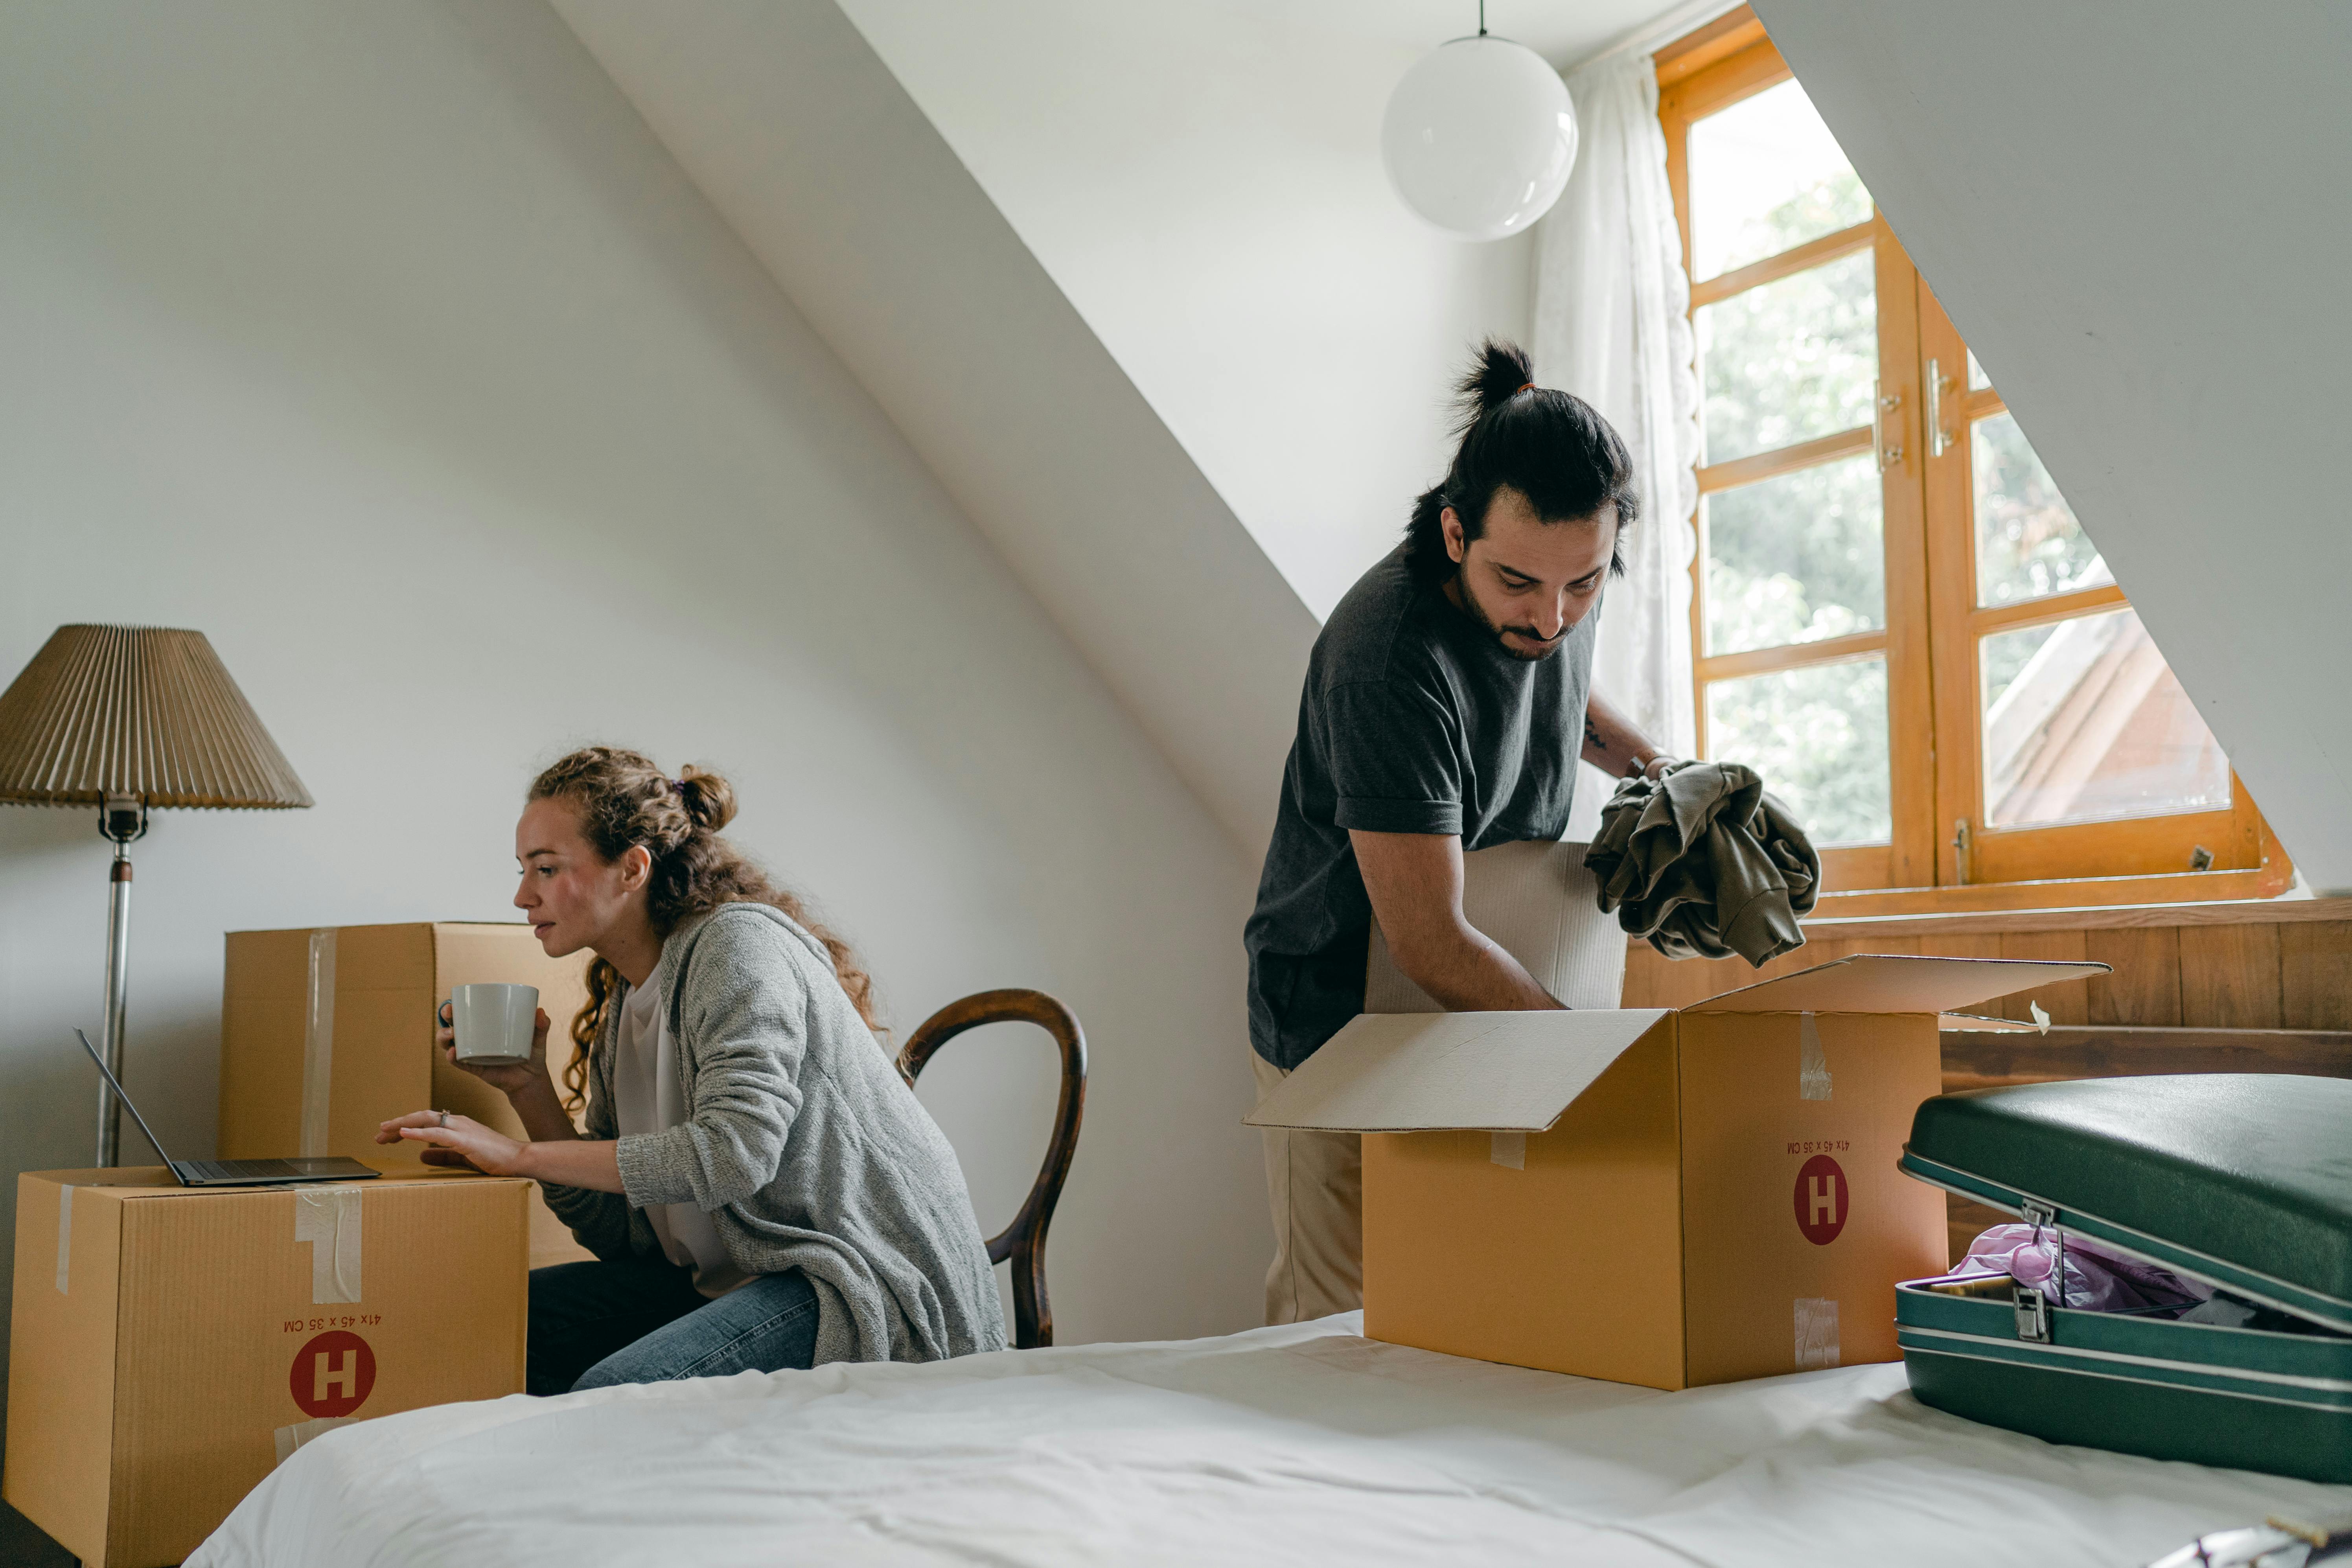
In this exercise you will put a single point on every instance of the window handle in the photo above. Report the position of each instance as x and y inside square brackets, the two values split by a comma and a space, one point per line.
[1960, 846]
[1882, 405]
[1939, 442]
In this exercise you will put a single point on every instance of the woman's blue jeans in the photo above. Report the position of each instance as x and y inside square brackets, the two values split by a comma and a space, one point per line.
[596, 1324]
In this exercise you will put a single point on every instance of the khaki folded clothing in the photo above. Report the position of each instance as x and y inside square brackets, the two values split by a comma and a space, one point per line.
[1706, 864]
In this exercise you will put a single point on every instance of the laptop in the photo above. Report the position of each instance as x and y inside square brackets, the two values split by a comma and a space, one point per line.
[235, 1172]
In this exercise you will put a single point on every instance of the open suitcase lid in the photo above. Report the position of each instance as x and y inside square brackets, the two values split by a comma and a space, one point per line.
[2241, 1180]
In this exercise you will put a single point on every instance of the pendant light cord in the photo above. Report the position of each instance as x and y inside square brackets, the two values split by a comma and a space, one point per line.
[1482, 19]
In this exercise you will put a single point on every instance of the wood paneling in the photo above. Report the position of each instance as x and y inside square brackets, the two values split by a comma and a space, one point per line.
[2291, 971]
[2316, 975]
[2146, 986]
[1987, 1058]
[2230, 977]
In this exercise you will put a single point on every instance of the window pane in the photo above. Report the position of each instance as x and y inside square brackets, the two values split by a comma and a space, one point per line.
[1791, 361]
[1977, 377]
[2028, 543]
[1765, 175]
[1818, 737]
[1796, 559]
[2083, 720]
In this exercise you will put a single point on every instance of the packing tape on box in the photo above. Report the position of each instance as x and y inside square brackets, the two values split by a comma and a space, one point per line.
[329, 1219]
[1509, 1149]
[292, 1437]
[1817, 1332]
[65, 1239]
[1812, 1063]
[319, 1043]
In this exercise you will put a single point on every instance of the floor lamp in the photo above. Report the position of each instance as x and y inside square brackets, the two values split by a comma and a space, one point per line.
[123, 718]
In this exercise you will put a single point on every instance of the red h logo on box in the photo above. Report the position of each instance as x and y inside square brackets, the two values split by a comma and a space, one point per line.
[332, 1374]
[1820, 1200]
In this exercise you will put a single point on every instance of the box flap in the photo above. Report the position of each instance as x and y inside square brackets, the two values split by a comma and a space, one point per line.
[1536, 901]
[1895, 983]
[1411, 1072]
[1975, 1024]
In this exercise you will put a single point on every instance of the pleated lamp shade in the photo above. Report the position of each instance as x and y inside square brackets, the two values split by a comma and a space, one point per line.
[136, 711]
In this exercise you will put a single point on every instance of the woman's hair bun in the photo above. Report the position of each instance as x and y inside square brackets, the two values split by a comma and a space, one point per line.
[709, 800]
[1498, 372]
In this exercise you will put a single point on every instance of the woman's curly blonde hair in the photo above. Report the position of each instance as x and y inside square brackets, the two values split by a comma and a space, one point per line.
[623, 799]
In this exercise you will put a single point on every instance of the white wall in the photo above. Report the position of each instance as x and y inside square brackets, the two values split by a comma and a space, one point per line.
[384, 344]
[1203, 181]
[2136, 222]
[795, 130]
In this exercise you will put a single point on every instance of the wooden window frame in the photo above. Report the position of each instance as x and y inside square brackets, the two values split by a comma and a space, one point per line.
[1932, 621]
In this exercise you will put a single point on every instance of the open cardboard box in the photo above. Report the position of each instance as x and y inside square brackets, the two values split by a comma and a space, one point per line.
[1649, 1196]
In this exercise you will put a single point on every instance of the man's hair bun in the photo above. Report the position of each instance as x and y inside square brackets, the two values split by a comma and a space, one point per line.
[1498, 372]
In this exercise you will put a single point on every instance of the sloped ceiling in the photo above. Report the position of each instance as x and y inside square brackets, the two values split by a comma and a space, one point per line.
[2138, 220]
[1206, 189]
[808, 145]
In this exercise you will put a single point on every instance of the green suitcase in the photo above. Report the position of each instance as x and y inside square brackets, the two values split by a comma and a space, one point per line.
[2242, 1181]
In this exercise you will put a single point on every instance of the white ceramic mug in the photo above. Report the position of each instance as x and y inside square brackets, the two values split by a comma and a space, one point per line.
[494, 1024]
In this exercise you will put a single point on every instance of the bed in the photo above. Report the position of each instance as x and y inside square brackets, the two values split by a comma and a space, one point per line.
[1302, 1444]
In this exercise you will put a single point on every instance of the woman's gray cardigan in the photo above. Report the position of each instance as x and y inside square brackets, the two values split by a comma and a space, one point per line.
[801, 1143]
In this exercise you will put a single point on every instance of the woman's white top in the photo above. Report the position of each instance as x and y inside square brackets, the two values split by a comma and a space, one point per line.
[647, 1099]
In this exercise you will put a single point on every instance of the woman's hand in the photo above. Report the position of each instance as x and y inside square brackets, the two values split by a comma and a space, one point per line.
[459, 1140]
[518, 1078]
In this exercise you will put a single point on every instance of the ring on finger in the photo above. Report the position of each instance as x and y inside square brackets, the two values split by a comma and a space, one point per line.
[445, 1118]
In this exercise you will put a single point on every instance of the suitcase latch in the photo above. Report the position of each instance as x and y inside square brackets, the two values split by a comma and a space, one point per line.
[2032, 1315]
[2036, 1213]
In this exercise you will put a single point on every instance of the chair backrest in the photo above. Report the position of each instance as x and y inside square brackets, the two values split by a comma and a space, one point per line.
[1023, 1241]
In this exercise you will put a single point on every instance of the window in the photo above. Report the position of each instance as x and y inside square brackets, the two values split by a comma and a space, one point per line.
[1897, 618]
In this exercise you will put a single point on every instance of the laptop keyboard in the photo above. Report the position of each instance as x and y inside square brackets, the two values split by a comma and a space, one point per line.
[241, 1170]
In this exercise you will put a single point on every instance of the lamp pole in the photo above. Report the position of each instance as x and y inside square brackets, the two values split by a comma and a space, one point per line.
[123, 819]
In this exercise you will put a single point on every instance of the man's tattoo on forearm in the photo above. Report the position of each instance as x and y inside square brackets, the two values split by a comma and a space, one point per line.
[1592, 736]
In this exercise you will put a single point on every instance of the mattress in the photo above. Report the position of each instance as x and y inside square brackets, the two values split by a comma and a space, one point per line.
[1302, 1444]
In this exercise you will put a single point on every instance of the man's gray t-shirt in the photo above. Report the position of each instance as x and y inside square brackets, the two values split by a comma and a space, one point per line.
[1414, 721]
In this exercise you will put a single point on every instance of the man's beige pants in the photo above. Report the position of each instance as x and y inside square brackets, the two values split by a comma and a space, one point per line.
[1315, 1182]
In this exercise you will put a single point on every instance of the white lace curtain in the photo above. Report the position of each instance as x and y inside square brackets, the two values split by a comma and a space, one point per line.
[1612, 325]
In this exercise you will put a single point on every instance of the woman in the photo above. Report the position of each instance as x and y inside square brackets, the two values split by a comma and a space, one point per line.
[760, 1188]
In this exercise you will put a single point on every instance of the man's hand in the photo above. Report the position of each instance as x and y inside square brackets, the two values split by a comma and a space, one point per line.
[1416, 883]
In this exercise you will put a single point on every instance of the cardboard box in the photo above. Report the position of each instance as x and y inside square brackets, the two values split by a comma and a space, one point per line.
[1646, 1196]
[171, 1345]
[1538, 904]
[327, 1032]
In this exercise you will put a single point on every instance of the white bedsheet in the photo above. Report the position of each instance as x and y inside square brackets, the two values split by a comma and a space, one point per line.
[1291, 1444]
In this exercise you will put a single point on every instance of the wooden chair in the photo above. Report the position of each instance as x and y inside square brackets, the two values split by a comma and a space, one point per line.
[1023, 1241]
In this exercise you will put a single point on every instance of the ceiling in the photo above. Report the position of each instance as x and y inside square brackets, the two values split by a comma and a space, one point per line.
[1564, 32]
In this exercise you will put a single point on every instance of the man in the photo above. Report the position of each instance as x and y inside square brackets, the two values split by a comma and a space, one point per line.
[1446, 705]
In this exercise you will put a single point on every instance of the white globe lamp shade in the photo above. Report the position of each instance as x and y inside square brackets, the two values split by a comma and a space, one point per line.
[1479, 137]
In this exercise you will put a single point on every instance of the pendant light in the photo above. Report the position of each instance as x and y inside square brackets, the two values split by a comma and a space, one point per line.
[1479, 137]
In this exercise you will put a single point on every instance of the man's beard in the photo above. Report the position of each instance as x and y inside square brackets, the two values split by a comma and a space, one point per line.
[1468, 602]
